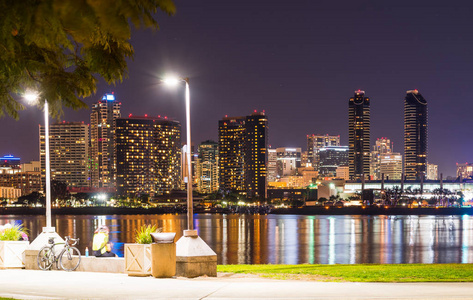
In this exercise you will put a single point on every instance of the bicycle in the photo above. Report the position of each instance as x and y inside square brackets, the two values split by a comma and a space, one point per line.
[68, 258]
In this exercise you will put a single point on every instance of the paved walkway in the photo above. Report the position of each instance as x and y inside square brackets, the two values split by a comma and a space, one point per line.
[30, 284]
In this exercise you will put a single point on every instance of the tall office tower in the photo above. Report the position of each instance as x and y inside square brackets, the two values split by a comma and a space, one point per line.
[207, 167]
[69, 150]
[432, 172]
[415, 135]
[316, 142]
[148, 155]
[102, 141]
[231, 142]
[465, 170]
[331, 158]
[382, 146]
[272, 168]
[256, 155]
[243, 144]
[288, 160]
[359, 135]
[390, 164]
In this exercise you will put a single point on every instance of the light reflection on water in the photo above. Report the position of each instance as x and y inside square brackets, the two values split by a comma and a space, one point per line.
[291, 239]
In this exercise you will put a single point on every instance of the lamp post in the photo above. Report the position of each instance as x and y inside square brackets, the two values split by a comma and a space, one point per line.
[190, 207]
[194, 256]
[48, 231]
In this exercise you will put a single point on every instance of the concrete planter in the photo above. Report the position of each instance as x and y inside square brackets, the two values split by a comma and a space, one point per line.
[138, 259]
[12, 254]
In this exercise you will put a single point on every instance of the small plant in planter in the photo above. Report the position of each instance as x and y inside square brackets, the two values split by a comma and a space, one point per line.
[138, 256]
[13, 244]
[143, 234]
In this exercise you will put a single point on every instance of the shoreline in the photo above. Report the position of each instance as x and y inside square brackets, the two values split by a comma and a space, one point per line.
[280, 211]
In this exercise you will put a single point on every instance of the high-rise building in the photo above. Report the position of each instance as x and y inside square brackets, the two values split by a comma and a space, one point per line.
[390, 164]
[288, 161]
[185, 169]
[272, 165]
[256, 155]
[415, 135]
[148, 155]
[331, 158]
[465, 170]
[343, 172]
[382, 146]
[316, 142]
[359, 135]
[243, 151]
[231, 142]
[102, 141]
[432, 172]
[69, 149]
[207, 167]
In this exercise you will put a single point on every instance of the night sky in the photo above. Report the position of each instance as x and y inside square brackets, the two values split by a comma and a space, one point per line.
[300, 61]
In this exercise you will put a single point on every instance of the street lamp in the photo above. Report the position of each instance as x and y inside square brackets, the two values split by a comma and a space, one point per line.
[173, 81]
[48, 231]
[194, 256]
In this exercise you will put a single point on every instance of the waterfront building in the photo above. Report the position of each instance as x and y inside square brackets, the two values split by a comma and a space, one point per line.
[316, 142]
[9, 193]
[390, 164]
[243, 154]
[207, 167]
[148, 155]
[415, 135]
[102, 141]
[231, 142]
[27, 182]
[256, 155]
[382, 146]
[331, 158]
[272, 165]
[305, 159]
[69, 149]
[343, 172]
[465, 170]
[9, 161]
[432, 172]
[288, 161]
[359, 135]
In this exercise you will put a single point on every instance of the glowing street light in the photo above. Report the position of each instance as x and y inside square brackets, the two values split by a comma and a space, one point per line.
[32, 98]
[173, 81]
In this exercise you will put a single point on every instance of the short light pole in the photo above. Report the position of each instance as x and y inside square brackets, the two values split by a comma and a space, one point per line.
[190, 206]
[48, 231]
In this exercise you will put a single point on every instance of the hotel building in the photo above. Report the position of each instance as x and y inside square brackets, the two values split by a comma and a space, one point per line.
[359, 135]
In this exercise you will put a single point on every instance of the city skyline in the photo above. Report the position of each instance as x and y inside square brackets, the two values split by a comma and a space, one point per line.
[299, 66]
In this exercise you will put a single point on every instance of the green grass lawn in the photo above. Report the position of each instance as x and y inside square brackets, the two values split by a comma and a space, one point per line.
[360, 273]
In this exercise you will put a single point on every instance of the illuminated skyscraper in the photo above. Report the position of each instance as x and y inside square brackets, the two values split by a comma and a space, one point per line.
[207, 167]
[102, 141]
[231, 142]
[272, 167]
[390, 164]
[359, 135]
[148, 155]
[415, 135]
[382, 146]
[69, 149]
[315, 142]
[243, 150]
[256, 155]
[331, 158]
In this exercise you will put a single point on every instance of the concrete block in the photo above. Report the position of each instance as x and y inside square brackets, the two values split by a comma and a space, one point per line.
[195, 258]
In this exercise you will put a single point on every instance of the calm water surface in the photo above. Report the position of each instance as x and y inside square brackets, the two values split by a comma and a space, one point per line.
[291, 239]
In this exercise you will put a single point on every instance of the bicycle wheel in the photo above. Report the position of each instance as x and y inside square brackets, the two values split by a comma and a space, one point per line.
[45, 258]
[70, 259]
